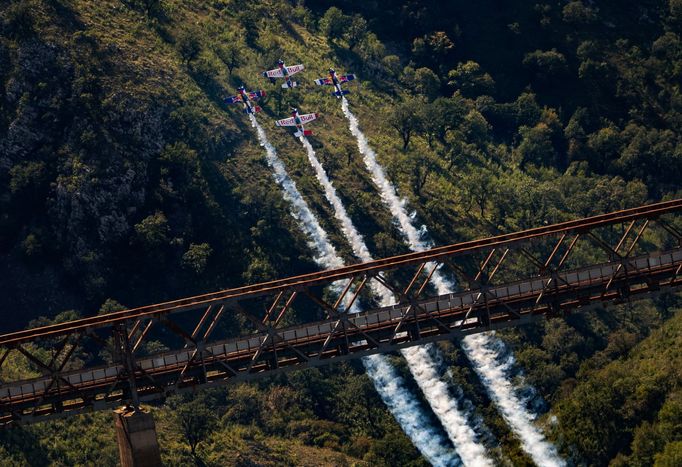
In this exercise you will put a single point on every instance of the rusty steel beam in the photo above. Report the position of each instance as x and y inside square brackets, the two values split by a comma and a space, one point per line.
[344, 335]
[311, 344]
[652, 211]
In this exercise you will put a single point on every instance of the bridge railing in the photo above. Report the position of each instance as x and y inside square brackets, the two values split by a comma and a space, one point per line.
[293, 322]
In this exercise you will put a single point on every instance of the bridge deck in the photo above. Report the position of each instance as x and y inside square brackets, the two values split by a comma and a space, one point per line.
[578, 226]
[342, 336]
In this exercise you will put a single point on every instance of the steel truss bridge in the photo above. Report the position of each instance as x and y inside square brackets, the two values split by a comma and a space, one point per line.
[104, 361]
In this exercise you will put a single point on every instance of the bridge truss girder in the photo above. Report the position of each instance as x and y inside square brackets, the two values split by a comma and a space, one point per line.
[302, 321]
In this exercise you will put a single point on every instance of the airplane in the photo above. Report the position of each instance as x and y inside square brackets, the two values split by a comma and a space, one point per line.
[283, 71]
[246, 98]
[298, 120]
[334, 80]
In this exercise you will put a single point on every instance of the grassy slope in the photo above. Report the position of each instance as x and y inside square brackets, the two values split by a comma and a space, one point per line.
[613, 405]
[151, 66]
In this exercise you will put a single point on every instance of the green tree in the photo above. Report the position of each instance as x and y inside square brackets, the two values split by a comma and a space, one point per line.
[196, 257]
[470, 80]
[432, 50]
[479, 188]
[576, 136]
[232, 53]
[355, 31]
[394, 449]
[194, 418]
[249, 19]
[440, 44]
[110, 306]
[372, 52]
[645, 444]
[426, 83]
[545, 64]
[444, 115]
[605, 146]
[333, 23]
[536, 146]
[670, 418]
[152, 8]
[188, 46]
[204, 69]
[671, 455]
[406, 118]
[578, 13]
[153, 230]
[392, 65]
[18, 20]
[476, 127]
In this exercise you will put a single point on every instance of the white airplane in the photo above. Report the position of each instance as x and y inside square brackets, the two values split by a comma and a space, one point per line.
[298, 121]
[285, 72]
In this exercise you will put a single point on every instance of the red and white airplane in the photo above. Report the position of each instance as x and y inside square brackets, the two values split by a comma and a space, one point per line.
[246, 98]
[283, 71]
[334, 80]
[298, 121]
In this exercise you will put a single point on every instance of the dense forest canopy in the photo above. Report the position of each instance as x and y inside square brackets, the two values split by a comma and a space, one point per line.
[125, 180]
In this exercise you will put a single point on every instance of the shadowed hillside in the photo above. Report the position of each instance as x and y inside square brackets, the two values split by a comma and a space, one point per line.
[125, 180]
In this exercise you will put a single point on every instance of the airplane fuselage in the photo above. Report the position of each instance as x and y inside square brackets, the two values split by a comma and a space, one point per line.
[245, 99]
[285, 73]
[335, 81]
[297, 120]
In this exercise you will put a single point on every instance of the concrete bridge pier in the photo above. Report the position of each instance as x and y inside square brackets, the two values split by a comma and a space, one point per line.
[136, 435]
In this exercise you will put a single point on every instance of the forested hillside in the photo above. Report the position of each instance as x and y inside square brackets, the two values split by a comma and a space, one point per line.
[125, 180]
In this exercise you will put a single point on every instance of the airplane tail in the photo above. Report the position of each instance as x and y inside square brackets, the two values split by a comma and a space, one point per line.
[342, 93]
[252, 109]
[290, 84]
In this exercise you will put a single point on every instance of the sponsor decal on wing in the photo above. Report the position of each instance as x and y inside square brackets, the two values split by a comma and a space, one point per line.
[308, 117]
[286, 122]
[276, 73]
[294, 69]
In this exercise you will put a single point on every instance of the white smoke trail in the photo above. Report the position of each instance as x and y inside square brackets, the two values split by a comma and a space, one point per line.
[480, 350]
[424, 370]
[390, 386]
[317, 237]
[407, 411]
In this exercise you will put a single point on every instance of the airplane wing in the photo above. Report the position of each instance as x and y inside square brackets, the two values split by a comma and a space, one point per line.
[307, 117]
[291, 121]
[346, 78]
[292, 70]
[324, 82]
[256, 94]
[276, 73]
[233, 99]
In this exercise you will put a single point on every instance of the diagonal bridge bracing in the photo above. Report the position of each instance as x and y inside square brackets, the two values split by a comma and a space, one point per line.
[505, 280]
